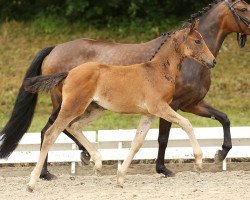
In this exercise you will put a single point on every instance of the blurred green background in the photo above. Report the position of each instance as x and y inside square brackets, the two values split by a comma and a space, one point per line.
[26, 26]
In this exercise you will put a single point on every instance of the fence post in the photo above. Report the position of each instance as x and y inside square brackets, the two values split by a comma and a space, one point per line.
[119, 161]
[73, 164]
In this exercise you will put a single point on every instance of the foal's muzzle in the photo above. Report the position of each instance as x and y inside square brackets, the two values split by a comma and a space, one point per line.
[210, 64]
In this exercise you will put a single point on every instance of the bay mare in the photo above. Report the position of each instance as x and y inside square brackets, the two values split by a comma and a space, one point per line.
[217, 20]
[145, 89]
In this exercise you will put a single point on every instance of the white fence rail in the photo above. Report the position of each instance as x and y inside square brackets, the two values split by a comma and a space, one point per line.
[115, 144]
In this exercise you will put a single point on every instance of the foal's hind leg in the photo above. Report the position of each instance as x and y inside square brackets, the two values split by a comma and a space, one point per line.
[73, 106]
[95, 155]
[137, 142]
[164, 111]
[49, 139]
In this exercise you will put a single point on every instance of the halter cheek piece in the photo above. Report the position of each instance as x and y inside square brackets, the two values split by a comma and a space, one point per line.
[241, 38]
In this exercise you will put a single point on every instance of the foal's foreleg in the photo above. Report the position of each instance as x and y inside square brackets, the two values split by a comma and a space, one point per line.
[205, 110]
[137, 142]
[164, 111]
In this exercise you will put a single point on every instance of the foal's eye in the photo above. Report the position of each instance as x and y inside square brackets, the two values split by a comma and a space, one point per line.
[197, 41]
[243, 10]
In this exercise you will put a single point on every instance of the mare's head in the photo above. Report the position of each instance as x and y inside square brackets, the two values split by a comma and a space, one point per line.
[194, 46]
[235, 15]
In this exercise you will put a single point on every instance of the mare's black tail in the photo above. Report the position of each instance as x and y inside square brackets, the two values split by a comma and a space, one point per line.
[23, 111]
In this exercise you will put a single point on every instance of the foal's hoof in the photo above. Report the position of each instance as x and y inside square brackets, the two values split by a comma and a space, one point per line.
[47, 176]
[98, 168]
[85, 157]
[198, 167]
[163, 170]
[30, 188]
[218, 157]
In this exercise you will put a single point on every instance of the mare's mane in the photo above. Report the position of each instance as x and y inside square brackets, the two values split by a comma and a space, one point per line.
[187, 23]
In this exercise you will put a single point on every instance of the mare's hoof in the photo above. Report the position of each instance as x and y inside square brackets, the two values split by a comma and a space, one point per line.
[85, 157]
[218, 157]
[163, 170]
[47, 176]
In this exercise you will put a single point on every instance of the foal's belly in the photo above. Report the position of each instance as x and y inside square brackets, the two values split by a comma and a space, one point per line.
[123, 105]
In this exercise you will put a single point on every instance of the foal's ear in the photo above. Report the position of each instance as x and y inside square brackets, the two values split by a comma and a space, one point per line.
[194, 26]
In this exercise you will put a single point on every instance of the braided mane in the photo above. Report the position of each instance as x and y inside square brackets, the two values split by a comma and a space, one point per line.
[203, 11]
[193, 17]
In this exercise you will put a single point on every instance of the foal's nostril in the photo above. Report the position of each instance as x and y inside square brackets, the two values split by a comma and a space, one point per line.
[214, 62]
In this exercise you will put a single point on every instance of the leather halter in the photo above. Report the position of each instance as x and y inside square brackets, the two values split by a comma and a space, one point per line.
[241, 37]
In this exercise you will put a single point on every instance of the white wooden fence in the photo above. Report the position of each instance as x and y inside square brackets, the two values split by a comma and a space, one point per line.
[115, 144]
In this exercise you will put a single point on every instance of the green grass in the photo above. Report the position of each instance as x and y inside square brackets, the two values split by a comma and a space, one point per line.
[19, 42]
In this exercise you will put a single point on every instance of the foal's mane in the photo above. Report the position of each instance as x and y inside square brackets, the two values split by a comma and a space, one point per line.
[192, 18]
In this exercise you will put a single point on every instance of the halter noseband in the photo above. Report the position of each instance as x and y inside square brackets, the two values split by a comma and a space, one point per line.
[241, 38]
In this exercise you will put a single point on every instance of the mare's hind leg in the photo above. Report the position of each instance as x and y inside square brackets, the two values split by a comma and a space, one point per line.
[205, 110]
[137, 142]
[164, 111]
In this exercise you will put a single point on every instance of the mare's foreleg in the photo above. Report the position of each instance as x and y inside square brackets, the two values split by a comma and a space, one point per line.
[137, 142]
[164, 131]
[205, 110]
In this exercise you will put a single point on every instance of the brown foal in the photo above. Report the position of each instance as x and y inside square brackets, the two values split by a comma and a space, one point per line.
[145, 89]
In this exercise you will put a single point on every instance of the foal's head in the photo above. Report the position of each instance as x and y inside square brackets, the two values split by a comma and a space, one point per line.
[195, 47]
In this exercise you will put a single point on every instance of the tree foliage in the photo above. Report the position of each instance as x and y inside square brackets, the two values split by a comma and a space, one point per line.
[99, 10]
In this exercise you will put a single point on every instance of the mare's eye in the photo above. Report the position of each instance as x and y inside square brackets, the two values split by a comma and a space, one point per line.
[243, 10]
[197, 41]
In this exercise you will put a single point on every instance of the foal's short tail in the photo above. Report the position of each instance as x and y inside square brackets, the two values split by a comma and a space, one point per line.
[44, 83]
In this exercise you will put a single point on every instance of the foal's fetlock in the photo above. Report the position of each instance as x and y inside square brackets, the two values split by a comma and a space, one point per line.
[32, 182]
[120, 179]
[198, 162]
[98, 163]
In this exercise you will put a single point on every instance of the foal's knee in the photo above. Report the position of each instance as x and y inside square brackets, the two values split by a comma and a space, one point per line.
[186, 125]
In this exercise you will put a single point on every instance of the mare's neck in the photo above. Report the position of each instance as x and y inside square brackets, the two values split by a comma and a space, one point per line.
[211, 28]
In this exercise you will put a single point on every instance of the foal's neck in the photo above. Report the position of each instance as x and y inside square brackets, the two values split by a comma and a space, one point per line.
[170, 56]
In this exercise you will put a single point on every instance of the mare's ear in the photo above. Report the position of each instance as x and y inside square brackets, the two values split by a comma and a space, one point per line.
[194, 26]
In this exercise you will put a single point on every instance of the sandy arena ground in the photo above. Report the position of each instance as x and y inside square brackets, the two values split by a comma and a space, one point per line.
[141, 183]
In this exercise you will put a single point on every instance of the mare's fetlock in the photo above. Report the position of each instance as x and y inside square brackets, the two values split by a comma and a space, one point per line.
[218, 157]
